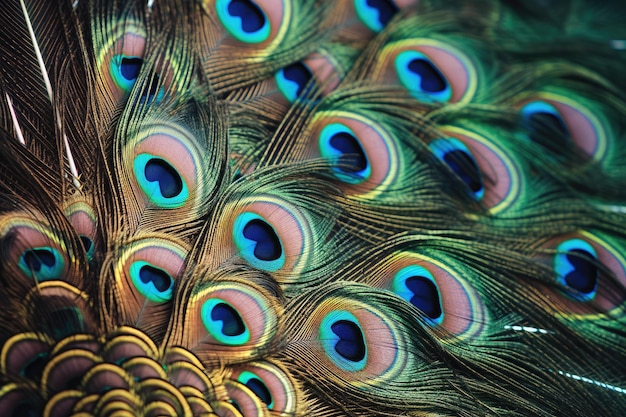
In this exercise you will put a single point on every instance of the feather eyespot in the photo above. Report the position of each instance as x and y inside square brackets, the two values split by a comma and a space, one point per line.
[34, 366]
[461, 161]
[292, 79]
[256, 385]
[444, 297]
[489, 173]
[417, 285]
[15, 401]
[358, 342]
[244, 400]
[42, 263]
[430, 70]
[251, 22]
[258, 242]
[576, 266]
[166, 169]
[83, 219]
[121, 59]
[224, 323]
[124, 71]
[273, 387]
[25, 354]
[542, 117]
[338, 143]
[160, 181]
[61, 309]
[548, 116]
[155, 78]
[590, 273]
[375, 14]
[421, 77]
[88, 246]
[362, 154]
[152, 282]
[233, 315]
[343, 340]
[271, 234]
[154, 92]
[35, 249]
[148, 269]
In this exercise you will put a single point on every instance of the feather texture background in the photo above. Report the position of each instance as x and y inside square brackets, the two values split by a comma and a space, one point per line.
[312, 208]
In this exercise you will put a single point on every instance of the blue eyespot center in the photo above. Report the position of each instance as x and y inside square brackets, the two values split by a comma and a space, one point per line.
[88, 246]
[252, 18]
[375, 14]
[425, 296]
[542, 120]
[169, 181]
[261, 391]
[152, 282]
[130, 66]
[124, 70]
[224, 323]
[431, 80]
[64, 322]
[158, 277]
[461, 161]
[341, 146]
[87, 243]
[257, 242]
[268, 247]
[576, 268]
[421, 77]
[160, 181]
[38, 258]
[343, 340]
[292, 79]
[155, 91]
[351, 343]
[42, 263]
[548, 122]
[257, 386]
[232, 322]
[584, 277]
[465, 167]
[352, 159]
[244, 20]
[417, 285]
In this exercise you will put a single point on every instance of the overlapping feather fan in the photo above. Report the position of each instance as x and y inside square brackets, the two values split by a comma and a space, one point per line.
[312, 208]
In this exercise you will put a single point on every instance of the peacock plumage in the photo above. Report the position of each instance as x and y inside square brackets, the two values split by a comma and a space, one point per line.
[312, 208]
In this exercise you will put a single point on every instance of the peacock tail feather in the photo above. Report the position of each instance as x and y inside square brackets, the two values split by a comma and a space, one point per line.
[312, 208]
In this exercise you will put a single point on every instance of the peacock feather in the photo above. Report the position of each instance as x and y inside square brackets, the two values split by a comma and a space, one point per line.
[312, 208]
